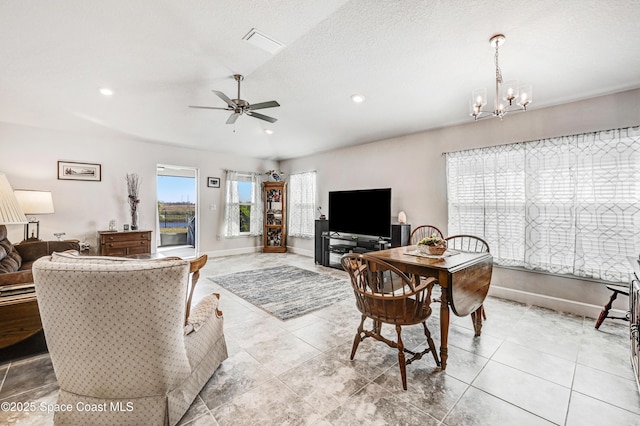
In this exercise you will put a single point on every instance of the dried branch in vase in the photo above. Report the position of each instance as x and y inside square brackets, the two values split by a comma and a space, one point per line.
[133, 188]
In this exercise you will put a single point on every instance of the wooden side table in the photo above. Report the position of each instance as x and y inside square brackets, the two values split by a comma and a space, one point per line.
[19, 318]
[126, 243]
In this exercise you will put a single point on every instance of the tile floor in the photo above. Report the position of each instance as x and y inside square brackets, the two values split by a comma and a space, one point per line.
[531, 366]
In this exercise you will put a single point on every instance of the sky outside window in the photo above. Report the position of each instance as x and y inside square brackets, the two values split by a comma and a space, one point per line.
[244, 191]
[176, 189]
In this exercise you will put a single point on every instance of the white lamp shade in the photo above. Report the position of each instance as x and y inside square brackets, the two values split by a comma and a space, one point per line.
[34, 202]
[10, 211]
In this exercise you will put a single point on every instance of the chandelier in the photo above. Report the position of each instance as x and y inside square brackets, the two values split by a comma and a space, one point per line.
[507, 96]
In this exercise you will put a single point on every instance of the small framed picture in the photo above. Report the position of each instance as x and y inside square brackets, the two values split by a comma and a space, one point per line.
[213, 182]
[68, 170]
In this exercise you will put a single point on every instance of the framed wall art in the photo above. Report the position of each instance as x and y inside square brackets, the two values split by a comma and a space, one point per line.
[213, 182]
[69, 170]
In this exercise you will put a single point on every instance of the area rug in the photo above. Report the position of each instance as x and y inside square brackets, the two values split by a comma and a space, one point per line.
[286, 291]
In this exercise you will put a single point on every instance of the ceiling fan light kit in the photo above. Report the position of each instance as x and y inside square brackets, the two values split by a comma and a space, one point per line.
[240, 106]
[510, 92]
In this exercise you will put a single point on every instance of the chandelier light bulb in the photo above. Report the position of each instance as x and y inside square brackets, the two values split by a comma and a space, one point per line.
[526, 96]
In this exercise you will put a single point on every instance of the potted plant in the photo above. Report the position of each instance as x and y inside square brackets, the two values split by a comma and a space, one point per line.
[432, 245]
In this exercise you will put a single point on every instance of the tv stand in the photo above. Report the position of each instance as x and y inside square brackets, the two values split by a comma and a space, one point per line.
[335, 245]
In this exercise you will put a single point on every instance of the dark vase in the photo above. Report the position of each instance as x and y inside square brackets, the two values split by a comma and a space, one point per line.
[134, 220]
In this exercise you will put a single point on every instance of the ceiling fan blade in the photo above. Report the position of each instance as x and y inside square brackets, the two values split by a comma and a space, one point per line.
[262, 116]
[206, 107]
[233, 117]
[262, 105]
[225, 98]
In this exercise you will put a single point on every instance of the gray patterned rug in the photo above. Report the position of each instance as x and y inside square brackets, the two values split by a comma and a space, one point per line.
[286, 291]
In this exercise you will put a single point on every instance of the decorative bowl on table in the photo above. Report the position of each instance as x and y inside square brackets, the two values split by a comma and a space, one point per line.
[433, 245]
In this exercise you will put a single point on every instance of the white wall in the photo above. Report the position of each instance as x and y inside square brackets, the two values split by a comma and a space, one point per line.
[29, 156]
[414, 167]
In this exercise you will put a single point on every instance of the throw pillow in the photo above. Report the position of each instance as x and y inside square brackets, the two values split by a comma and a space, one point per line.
[201, 313]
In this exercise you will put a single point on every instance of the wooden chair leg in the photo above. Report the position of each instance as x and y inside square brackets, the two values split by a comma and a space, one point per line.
[431, 344]
[605, 311]
[358, 338]
[476, 320]
[401, 359]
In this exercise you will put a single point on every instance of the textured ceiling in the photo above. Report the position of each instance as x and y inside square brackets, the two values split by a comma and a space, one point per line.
[416, 62]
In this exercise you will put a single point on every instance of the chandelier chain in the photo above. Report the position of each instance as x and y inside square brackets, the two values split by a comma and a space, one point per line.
[498, 71]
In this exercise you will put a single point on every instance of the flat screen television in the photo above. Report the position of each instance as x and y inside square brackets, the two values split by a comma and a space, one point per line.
[363, 212]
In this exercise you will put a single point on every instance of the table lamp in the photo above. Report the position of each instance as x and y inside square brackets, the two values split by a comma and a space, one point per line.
[34, 202]
[10, 211]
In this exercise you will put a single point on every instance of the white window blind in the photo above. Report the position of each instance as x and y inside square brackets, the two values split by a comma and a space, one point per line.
[302, 204]
[566, 205]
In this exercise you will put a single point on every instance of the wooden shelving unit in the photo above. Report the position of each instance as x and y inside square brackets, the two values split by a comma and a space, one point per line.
[275, 217]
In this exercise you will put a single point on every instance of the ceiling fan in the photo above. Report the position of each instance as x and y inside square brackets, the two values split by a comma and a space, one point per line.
[240, 106]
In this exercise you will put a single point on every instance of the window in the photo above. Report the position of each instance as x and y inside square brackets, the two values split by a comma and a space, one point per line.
[245, 189]
[243, 204]
[302, 204]
[567, 205]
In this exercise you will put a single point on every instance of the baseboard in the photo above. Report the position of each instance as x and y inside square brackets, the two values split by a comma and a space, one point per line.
[555, 303]
[300, 251]
[232, 252]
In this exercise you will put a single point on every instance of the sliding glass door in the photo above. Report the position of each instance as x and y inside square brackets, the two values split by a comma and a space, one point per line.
[177, 220]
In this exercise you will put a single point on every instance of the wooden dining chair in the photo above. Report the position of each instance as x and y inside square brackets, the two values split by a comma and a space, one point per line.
[468, 243]
[473, 244]
[386, 295]
[423, 231]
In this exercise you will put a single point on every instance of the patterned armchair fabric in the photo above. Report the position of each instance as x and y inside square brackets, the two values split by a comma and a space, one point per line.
[116, 334]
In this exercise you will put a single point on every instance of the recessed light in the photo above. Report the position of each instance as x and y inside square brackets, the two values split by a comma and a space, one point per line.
[268, 131]
[105, 91]
[357, 98]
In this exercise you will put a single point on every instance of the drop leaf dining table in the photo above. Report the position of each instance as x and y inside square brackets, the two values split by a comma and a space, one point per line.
[464, 278]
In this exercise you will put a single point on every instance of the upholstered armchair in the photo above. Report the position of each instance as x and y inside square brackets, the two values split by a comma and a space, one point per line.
[116, 334]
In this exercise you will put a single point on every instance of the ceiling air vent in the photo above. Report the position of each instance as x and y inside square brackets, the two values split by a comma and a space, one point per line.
[263, 41]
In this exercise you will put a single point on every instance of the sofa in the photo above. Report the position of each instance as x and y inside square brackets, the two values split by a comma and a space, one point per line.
[116, 333]
[19, 316]
[16, 260]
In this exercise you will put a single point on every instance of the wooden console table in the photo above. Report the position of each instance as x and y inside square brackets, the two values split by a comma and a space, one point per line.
[126, 243]
[464, 278]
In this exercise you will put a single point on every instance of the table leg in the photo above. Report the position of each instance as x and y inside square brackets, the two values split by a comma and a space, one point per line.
[444, 328]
